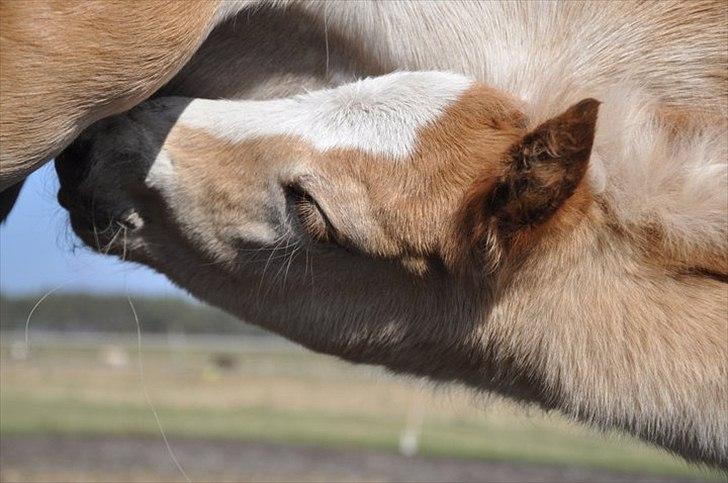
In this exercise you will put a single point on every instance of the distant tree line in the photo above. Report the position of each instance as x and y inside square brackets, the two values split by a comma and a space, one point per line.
[111, 313]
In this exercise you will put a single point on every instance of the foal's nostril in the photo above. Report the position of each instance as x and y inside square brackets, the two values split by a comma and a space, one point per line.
[72, 165]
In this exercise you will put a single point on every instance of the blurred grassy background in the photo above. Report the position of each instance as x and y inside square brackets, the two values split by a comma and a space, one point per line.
[263, 389]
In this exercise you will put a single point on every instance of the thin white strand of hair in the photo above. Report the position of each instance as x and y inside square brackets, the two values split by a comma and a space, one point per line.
[143, 383]
[37, 304]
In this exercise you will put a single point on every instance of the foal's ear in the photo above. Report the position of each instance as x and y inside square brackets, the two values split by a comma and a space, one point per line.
[539, 174]
[543, 169]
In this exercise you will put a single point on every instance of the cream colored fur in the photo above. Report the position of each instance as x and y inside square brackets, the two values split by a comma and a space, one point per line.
[617, 318]
[613, 316]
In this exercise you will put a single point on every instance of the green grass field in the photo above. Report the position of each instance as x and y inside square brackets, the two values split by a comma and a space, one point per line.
[289, 396]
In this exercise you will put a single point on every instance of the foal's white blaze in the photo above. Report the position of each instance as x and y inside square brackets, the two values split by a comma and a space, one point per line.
[380, 116]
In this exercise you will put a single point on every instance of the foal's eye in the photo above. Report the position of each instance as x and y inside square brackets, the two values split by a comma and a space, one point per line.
[312, 218]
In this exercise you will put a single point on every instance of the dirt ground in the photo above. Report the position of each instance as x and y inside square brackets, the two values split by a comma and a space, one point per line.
[86, 458]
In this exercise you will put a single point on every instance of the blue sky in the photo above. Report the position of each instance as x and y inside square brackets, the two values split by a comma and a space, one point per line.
[36, 251]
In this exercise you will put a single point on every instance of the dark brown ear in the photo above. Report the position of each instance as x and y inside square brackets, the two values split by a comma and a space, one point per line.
[543, 169]
[539, 174]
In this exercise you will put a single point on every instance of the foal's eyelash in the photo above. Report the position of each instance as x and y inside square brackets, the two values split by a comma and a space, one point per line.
[310, 214]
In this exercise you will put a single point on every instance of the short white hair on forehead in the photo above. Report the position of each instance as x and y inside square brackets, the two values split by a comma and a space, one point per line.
[378, 115]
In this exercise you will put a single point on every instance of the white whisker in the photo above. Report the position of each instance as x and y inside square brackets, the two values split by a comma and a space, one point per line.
[37, 304]
[111, 242]
[146, 392]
